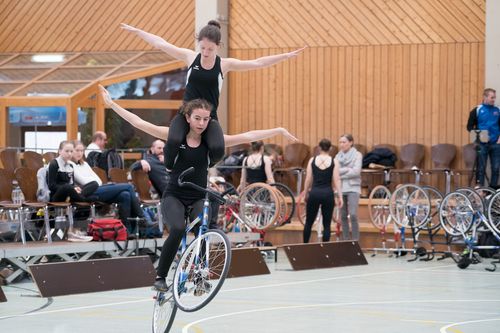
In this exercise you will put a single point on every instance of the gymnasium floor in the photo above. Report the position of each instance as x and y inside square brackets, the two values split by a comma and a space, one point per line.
[387, 295]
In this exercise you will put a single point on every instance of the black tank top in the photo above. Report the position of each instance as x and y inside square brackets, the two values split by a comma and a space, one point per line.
[204, 83]
[188, 157]
[322, 178]
[256, 175]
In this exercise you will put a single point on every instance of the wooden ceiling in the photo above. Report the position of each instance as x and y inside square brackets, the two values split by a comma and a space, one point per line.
[92, 25]
[259, 24]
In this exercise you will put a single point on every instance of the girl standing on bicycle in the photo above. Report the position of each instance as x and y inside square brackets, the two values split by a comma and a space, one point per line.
[206, 71]
[322, 177]
[193, 152]
[256, 167]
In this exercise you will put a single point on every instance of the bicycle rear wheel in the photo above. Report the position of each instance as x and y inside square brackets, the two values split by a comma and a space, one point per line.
[164, 311]
[164, 308]
[202, 269]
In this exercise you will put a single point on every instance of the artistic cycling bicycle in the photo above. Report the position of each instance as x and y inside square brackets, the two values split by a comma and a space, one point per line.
[200, 270]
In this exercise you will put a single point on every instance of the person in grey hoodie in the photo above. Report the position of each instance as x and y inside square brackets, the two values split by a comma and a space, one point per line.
[350, 161]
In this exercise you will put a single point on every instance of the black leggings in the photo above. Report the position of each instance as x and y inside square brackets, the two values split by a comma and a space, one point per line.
[68, 190]
[179, 127]
[317, 198]
[174, 212]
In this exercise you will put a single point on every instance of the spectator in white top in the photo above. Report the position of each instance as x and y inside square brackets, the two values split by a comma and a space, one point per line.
[122, 194]
[99, 140]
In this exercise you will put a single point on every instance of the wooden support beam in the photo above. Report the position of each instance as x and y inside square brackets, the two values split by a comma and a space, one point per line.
[170, 66]
[3, 123]
[148, 103]
[71, 120]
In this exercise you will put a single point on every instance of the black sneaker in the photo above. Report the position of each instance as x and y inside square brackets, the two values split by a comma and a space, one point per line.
[160, 285]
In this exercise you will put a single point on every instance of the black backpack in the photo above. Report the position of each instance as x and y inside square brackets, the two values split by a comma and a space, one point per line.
[105, 160]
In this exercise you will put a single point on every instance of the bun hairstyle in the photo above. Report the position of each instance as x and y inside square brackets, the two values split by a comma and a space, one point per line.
[325, 145]
[211, 32]
[257, 145]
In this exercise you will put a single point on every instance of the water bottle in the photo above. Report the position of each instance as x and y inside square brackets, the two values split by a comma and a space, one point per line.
[16, 195]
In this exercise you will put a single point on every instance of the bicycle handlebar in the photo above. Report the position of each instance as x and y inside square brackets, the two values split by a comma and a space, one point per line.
[214, 195]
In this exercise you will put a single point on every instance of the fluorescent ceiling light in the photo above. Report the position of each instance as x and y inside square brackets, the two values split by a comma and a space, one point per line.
[47, 58]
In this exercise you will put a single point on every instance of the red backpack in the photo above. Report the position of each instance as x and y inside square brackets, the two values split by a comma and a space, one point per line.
[107, 229]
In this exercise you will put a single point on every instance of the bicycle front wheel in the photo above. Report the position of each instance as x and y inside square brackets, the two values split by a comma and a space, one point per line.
[201, 271]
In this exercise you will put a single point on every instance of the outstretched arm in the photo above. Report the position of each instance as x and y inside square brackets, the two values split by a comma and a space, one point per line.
[178, 53]
[233, 140]
[232, 64]
[160, 132]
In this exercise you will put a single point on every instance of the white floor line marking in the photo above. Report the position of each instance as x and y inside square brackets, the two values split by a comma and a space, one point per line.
[75, 309]
[313, 281]
[186, 328]
[444, 328]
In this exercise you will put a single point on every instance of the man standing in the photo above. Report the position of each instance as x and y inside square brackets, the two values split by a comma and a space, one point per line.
[99, 140]
[486, 116]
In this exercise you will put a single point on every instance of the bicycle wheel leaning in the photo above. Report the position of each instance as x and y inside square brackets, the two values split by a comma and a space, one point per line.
[202, 269]
[289, 199]
[378, 207]
[259, 206]
[456, 214]
[164, 308]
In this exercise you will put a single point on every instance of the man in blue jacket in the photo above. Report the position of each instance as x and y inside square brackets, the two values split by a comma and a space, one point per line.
[486, 116]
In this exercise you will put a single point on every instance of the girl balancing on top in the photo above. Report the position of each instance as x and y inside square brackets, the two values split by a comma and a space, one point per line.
[206, 73]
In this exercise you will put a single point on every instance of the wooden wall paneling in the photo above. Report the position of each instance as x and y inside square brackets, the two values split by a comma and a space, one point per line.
[384, 92]
[326, 87]
[439, 21]
[410, 116]
[36, 29]
[422, 25]
[407, 86]
[360, 10]
[453, 20]
[474, 24]
[303, 20]
[387, 123]
[477, 9]
[341, 86]
[323, 115]
[377, 100]
[308, 112]
[114, 36]
[272, 119]
[460, 117]
[370, 100]
[356, 90]
[348, 89]
[118, 35]
[398, 93]
[401, 18]
[328, 31]
[19, 18]
[64, 23]
[391, 22]
[439, 103]
[339, 23]
[183, 30]
[417, 118]
[363, 37]
[423, 137]
[80, 23]
[263, 93]
[8, 10]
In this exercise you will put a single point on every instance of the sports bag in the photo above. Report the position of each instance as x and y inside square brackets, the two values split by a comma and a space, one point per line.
[107, 229]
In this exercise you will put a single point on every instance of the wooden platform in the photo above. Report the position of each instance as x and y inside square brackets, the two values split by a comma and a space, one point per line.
[21, 256]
